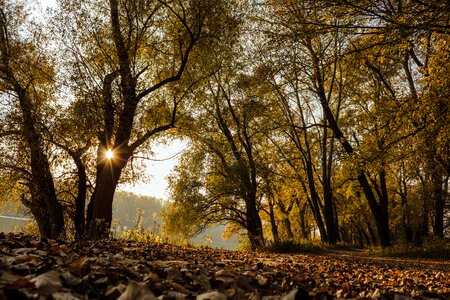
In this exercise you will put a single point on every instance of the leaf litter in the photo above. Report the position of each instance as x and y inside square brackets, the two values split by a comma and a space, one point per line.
[116, 269]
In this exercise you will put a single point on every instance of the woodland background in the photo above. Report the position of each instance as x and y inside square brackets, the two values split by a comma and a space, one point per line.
[304, 119]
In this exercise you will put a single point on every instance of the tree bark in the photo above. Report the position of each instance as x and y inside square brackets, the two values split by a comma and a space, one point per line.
[286, 221]
[302, 219]
[273, 223]
[100, 207]
[254, 226]
[80, 201]
[439, 202]
[328, 206]
[315, 200]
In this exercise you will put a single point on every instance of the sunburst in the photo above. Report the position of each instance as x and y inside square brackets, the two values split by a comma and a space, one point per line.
[109, 154]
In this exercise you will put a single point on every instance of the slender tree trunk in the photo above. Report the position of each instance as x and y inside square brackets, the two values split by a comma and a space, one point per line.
[273, 223]
[80, 201]
[378, 209]
[439, 202]
[315, 200]
[328, 211]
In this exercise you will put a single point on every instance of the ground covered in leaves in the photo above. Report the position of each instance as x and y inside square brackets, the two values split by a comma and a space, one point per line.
[47, 269]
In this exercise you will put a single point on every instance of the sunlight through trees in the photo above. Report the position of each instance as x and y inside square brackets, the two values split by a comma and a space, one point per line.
[304, 120]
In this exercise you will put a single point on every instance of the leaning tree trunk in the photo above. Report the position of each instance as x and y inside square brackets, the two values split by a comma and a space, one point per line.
[42, 185]
[379, 210]
[44, 205]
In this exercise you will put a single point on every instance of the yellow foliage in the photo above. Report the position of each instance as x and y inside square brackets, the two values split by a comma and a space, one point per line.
[146, 237]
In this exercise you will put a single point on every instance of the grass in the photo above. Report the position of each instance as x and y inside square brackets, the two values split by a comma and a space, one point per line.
[432, 248]
[298, 247]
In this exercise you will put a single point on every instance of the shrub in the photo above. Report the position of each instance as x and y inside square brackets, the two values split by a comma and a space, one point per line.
[297, 247]
[30, 228]
[144, 237]
[433, 248]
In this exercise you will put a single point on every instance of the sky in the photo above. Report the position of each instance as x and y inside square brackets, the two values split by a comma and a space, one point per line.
[161, 164]
[46, 3]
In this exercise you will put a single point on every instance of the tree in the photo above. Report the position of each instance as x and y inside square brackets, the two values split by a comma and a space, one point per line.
[128, 63]
[25, 92]
[226, 132]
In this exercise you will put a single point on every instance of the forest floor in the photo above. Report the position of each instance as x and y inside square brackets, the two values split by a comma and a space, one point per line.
[116, 269]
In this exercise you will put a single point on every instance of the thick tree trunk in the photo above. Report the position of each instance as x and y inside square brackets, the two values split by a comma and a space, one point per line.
[100, 206]
[254, 226]
[288, 228]
[286, 221]
[372, 235]
[40, 216]
[45, 207]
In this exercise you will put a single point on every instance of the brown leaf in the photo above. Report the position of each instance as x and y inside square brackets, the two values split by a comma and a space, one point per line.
[137, 291]
[48, 283]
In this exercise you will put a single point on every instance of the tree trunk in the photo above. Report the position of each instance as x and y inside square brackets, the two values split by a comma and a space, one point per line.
[273, 224]
[439, 202]
[40, 216]
[328, 205]
[254, 226]
[372, 235]
[100, 207]
[302, 219]
[378, 209]
[45, 207]
[42, 186]
[286, 221]
[80, 201]
[328, 214]
[314, 203]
